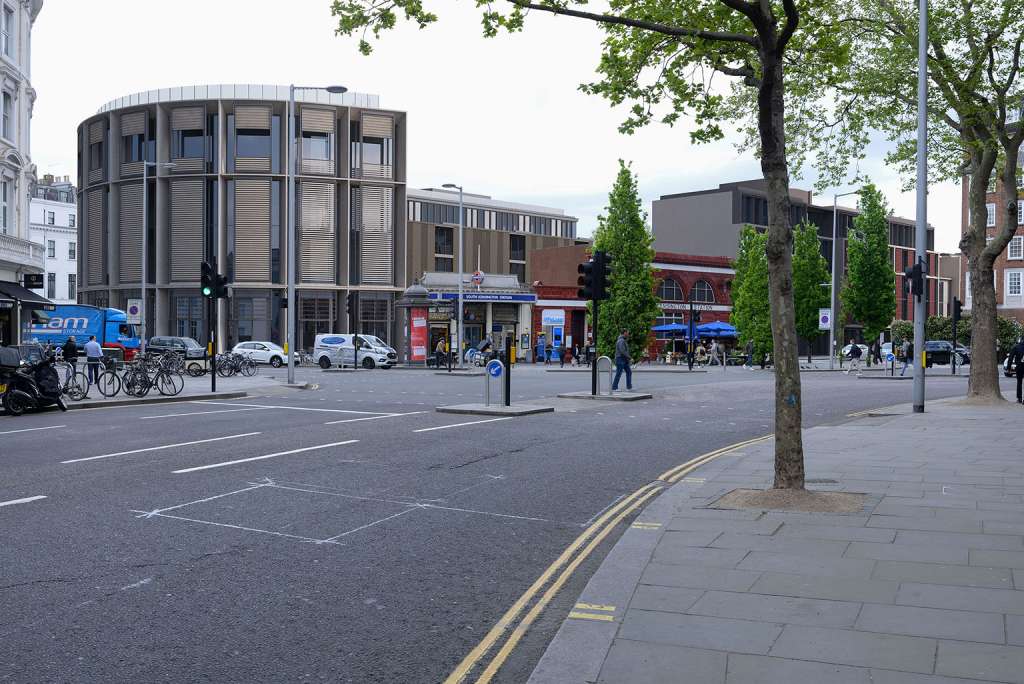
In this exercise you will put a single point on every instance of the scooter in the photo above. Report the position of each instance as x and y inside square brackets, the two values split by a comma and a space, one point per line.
[33, 386]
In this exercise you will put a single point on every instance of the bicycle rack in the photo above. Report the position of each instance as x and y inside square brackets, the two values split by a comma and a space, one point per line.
[610, 366]
[487, 381]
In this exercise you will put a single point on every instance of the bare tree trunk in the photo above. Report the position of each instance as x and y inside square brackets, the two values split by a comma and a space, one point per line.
[789, 450]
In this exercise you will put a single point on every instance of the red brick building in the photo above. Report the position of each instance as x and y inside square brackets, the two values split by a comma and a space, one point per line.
[1009, 266]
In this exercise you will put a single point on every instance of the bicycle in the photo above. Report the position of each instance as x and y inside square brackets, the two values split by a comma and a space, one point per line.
[108, 382]
[73, 382]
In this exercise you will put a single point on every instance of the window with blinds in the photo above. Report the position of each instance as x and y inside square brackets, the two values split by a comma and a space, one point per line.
[316, 233]
[376, 235]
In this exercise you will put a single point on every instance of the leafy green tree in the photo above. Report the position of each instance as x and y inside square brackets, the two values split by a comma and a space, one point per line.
[665, 60]
[751, 315]
[869, 294]
[623, 233]
[810, 271]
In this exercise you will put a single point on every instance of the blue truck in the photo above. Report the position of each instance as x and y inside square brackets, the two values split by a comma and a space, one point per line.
[110, 326]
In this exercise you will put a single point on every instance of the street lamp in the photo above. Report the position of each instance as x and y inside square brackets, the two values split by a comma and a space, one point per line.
[832, 290]
[145, 243]
[292, 261]
[462, 332]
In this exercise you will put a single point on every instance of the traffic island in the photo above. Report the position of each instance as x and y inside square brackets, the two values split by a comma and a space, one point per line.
[615, 396]
[140, 401]
[495, 409]
[462, 374]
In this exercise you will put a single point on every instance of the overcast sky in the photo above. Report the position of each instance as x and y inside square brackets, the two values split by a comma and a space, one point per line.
[502, 116]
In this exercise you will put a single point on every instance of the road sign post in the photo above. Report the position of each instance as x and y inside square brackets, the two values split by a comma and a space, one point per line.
[493, 369]
[509, 351]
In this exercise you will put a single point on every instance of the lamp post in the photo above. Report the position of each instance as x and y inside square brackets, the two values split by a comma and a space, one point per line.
[462, 332]
[832, 290]
[145, 245]
[921, 233]
[292, 261]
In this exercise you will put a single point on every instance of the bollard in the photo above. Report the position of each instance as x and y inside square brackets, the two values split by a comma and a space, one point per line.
[489, 368]
[597, 373]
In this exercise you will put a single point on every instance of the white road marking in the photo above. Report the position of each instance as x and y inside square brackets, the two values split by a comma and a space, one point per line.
[363, 527]
[265, 456]
[165, 446]
[49, 427]
[297, 408]
[21, 501]
[136, 585]
[475, 422]
[209, 498]
[199, 413]
[240, 527]
[386, 415]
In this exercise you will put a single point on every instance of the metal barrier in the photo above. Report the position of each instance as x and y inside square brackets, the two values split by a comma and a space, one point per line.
[487, 380]
[611, 366]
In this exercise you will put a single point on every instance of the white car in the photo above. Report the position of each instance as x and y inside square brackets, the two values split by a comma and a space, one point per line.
[262, 352]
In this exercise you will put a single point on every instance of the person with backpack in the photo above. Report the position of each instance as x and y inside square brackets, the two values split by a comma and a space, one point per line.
[855, 353]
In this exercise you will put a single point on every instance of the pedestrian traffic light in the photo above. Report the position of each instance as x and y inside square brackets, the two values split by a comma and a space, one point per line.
[602, 275]
[957, 310]
[586, 281]
[220, 288]
[208, 278]
[913, 280]
[350, 303]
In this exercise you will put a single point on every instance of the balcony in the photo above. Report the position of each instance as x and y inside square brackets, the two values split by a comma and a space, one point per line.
[21, 253]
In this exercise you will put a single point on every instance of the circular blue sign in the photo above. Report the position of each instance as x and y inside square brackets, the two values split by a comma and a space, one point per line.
[494, 369]
[890, 357]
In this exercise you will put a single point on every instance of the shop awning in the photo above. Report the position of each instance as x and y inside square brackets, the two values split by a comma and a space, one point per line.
[27, 298]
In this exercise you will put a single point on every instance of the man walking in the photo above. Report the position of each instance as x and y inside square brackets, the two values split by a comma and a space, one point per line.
[1017, 357]
[93, 356]
[855, 354]
[908, 356]
[749, 351]
[439, 353]
[622, 361]
[70, 353]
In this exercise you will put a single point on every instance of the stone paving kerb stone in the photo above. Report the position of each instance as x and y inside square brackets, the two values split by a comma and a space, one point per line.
[923, 586]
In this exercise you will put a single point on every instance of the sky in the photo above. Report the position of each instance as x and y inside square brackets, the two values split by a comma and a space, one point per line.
[503, 117]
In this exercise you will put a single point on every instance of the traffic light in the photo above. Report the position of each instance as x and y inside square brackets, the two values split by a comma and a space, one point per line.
[208, 279]
[603, 277]
[587, 280]
[220, 288]
[350, 303]
[696, 315]
[913, 280]
[957, 310]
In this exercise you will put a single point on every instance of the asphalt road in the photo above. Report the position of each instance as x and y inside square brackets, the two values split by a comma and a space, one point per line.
[348, 533]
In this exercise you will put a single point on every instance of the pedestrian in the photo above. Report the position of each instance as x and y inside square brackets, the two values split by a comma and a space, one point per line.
[94, 356]
[720, 353]
[69, 350]
[855, 353]
[561, 355]
[548, 350]
[907, 350]
[1017, 358]
[439, 352]
[622, 361]
[575, 354]
[702, 355]
[749, 351]
[878, 353]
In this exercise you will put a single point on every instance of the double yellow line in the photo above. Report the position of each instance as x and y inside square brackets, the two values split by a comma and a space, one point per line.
[564, 566]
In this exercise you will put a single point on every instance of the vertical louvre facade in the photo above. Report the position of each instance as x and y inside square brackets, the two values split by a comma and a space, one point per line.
[226, 196]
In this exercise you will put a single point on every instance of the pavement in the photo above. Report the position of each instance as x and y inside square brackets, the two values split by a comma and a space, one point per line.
[923, 585]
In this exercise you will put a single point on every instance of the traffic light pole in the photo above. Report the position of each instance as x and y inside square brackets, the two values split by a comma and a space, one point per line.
[921, 234]
[593, 360]
[212, 317]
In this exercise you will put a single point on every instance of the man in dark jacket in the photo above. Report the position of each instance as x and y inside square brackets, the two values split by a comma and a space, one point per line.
[622, 361]
[1017, 357]
[70, 352]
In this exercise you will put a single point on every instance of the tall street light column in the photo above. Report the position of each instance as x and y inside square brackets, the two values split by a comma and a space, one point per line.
[290, 156]
[145, 246]
[832, 290]
[462, 331]
[921, 234]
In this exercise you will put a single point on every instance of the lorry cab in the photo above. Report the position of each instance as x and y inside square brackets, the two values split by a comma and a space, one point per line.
[338, 350]
[110, 326]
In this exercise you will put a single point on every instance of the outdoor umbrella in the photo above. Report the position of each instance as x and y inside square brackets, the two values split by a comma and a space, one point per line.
[716, 329]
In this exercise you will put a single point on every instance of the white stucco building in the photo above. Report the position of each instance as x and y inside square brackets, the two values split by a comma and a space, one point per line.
[18, 254]
[52, 216]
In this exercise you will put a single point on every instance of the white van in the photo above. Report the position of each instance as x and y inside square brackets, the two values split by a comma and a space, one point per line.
[337, 350]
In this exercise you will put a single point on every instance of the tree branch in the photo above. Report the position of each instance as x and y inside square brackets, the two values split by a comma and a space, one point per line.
[792, 21]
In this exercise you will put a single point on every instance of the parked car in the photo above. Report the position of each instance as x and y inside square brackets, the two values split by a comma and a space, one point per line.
[963, 355]
[338, 350]
[262, 352]
[186, 346]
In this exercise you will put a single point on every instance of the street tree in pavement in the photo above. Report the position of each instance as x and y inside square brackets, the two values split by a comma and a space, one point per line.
[667, 60]
[623, 233]
[810, 282]
[751, 314]
[869, 294]
[974, 100]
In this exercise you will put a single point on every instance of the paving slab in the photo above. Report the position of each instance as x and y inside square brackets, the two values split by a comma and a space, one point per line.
[495, 409]
[849, 647]
[987, 662]
[785, 609]
[634, 662]
[932, 622]
[749, 669]
[698, 577]
[807, 565]
[697, 631]
[835, 588]
[938, 573]
[1007, 601]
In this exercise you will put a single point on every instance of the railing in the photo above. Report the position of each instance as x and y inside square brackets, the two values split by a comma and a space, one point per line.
[21, 252]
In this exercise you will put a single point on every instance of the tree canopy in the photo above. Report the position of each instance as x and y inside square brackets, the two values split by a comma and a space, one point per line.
[869, 294]
[810, 273]
[750, 310]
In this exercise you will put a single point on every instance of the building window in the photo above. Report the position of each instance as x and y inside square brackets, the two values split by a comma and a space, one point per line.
[444, 250]
[275, 231]
[71, 221]
[71, 251]
[96, 156]
[251, 143]
[51, 285]
[4, 194]
[755, 210]
[72, 287]
[701, 293]
[1013, 283]
[133, 147]
[49, 218]
[378, 151]
[517, 257]
[8, 32]
[669, 291]
[7, 130]
[1020, 212]
[190, 144]
[990, 214]
[51, 249]
[189, 317]
[1016, 248]
[317, 145]
[374, 314]
[667, 319]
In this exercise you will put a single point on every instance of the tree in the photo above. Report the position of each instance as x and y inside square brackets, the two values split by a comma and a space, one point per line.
[623, 233]
[869, 295]
[810, 272]
[669, 54]
[974, 94]
[751, 315]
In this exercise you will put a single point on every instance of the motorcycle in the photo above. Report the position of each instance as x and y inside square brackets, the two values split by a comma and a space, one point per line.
[35, 385]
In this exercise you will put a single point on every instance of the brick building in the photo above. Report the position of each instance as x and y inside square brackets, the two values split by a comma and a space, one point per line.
[1009, 266]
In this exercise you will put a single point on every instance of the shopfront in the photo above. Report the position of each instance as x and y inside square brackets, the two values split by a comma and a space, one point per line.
[17, 308]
